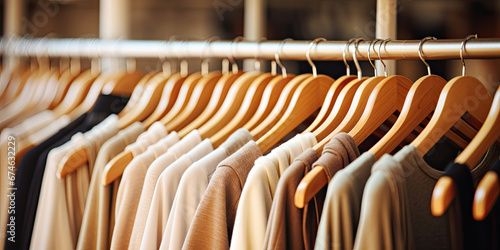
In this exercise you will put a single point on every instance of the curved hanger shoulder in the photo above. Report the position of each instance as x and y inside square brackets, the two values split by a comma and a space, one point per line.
[340, 109]
[218, 96]
[197, 103]
[247, 109]
[116, 166]
[355, 111]
[280, 107]
[486, 195]
[420, 102]
[461, 94]
[16, 84]
[183, 97]
[329, 102]
[231, 104]
[387, 97]
[269, 99]
[136, 94]
[305, 101]
[122, 84]
[91, 97]
[488, 188]
[76, 93]
[317, 178]
[168, 97]
[147, 103]
[64, 83]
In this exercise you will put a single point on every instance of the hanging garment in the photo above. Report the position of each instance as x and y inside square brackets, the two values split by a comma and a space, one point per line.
[131, 186]
[289, 226]
[340, 217]
[188, 194]
[395, 211]
[257, 195]
[62, 202]
[176, 168]
[156, 132]
[213, 222]
[494, 216]
[96, 218]
[33, 164]
[472, 234]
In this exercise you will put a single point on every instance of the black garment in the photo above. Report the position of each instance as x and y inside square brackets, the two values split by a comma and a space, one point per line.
[475, 234]
[494, 215]
[33, 165]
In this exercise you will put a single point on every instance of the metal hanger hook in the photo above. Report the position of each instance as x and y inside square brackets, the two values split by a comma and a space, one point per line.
[380, 57]
[376, 40]
[278, 54]
[420, 53]
[462, 48]
[346, 47]
[230, 54]
[308, 55]
[205, 67]
[356, 43]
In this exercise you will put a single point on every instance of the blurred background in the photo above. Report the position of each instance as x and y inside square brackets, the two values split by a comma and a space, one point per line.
[297, 19]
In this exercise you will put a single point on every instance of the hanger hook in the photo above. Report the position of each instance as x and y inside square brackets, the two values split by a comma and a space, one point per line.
[380, 57]
[420, 54]
[308, 55]
[230, 54]
[277, 56]
[462, 48]
[376, 40]
[356, 43]
[205, 67]
[346, 47]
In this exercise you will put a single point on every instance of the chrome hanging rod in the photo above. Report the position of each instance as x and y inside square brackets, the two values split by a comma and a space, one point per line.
[481, 48]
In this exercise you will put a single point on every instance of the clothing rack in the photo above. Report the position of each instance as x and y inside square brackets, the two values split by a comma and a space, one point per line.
[440, 49]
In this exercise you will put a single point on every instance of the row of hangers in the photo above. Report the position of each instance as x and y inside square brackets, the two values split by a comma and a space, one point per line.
[270, 106]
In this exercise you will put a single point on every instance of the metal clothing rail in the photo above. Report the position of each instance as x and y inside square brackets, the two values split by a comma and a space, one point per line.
[291, 50]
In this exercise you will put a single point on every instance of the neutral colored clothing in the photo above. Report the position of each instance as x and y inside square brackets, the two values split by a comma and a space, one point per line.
[94, 233]
[284, 227]
[292, 228]
[150, 137]
[340, 217]
[34, 162]
[176, 169]
[395, 212]
[19, 132]
[213, 222]
[62, 202]
[189, 193]
[131, 185]
[257, 195]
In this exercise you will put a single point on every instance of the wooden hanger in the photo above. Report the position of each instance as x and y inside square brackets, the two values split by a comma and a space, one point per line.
[15, 86]
[147, 103]
[183, 98]
[316, 179]
[252, 101]
[444, 190]
[123, 84]
[332, 95]
[65, 81]
[136, 94]
[216, 100]
[199, 99]
[168, 98]
[420, 102]
[342, 102]
[307, 98]
[231, 105]
[247, 109]
[488, 189]
[271, 94]
[76, 93]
